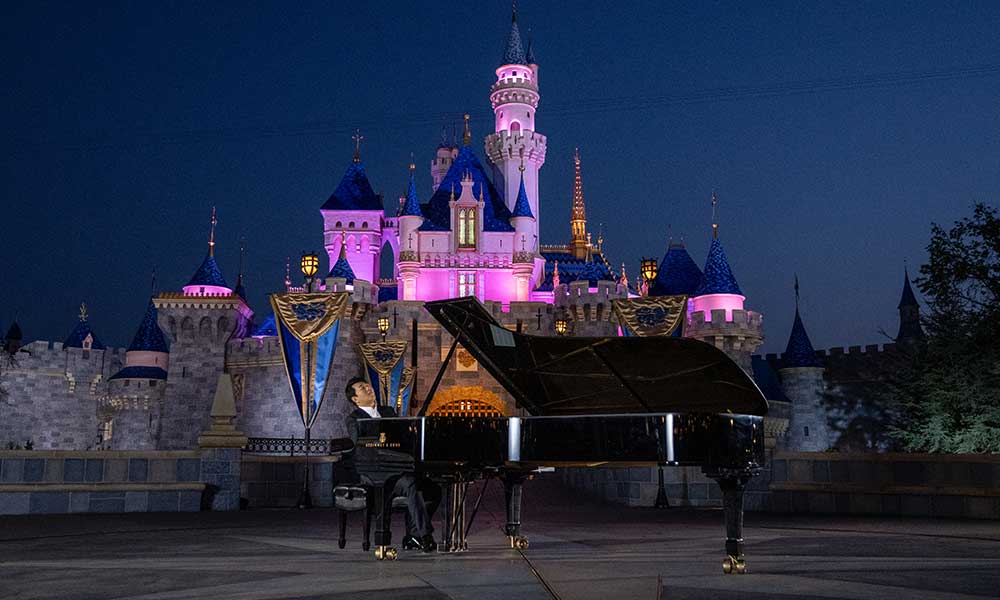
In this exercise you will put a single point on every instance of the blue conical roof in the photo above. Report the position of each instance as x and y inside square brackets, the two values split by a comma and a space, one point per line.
[522, 208]
[529, 55]
[342, 268]
[149, 337]
[14, 333]
[908, 299]
[411, 208]
[513, 54]
[678, 274]
[80, 333]
[799, 352]
[718, 277]
[437, 212]
[208, 273]
[354, 192]
[266, 329]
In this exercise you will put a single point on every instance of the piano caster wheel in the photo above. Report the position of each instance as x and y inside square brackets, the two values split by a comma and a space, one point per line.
[519, 542]
[734, 566]
[385, 553]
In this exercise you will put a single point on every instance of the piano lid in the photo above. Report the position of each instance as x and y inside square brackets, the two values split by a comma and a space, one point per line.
[577, 375]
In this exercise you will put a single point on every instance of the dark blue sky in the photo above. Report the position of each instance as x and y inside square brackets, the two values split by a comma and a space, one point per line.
[833, 134]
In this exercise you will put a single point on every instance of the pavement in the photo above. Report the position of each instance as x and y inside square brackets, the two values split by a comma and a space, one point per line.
[578, 549]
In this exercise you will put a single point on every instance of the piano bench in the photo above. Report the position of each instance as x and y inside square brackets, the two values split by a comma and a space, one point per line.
[352, 498]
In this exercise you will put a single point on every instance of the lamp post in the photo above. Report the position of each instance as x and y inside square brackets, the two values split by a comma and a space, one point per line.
[648, 269]
[383, 326]
[309, 263]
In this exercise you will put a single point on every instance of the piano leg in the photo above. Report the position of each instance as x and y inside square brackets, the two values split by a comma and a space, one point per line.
[733, 482]
[512, 493]
[382, 505]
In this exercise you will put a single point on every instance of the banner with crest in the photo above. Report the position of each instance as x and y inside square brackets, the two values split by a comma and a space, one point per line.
[389, 378]
[650, 315]
[308, 324]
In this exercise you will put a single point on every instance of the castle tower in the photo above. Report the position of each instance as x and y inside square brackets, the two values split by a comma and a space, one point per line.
[352, 217]
[718, 288]
[12, 340]
[909, 314]
[514, 98]
[198, 322]
[131, 411]
[524, 227]
[716, 312]
[578, 244]
[208, 279]
[801, 374]
[410, 220]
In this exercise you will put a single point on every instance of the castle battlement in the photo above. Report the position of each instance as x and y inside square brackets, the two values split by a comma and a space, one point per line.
[716, 319]
[841, 353]
[506, 145]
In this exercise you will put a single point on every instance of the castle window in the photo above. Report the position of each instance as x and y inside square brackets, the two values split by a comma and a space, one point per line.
[126, 383]
[339, 224]
[466, 284]
[107, 428]
[807, 431]
[152, 383]
[86, 354]
[351, 225]
[515, 126]
[467, 228]
[364, 225]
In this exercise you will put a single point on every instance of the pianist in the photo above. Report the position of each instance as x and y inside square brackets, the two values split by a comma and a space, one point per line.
[422, 496]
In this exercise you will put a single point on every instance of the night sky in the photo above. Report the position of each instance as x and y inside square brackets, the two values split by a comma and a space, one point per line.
[833, 134]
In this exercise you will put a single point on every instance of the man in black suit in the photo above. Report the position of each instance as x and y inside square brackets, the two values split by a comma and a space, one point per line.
[422, 496]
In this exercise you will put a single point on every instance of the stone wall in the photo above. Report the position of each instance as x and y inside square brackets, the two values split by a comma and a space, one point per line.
[53, 396]
[276, 481]
[36, 482]
[920, 485]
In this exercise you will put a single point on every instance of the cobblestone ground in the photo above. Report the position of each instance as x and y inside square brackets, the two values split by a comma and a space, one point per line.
[579, 549]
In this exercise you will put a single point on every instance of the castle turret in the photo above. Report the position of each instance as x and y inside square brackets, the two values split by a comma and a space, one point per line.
[524, 255]
[82, 335]
[131, 412]
[443, 159]
[198, 323]
[678, 274]
[352, 217]
[909, 314]
[410, 220]
[801, 374]
[12, 340]
[716, 313]
[208, 279]
[514, 98]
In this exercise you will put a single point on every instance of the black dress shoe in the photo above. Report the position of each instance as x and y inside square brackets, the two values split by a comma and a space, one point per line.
[411, 543]
[428, 543]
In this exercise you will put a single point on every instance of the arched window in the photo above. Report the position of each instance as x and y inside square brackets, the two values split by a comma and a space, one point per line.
[339, 224]
[466, 284]
[351, 225]
[364, 225]
[467, 228]
[515, 126]
[807, 431]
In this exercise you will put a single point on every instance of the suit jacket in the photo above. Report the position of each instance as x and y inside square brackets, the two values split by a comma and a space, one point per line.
[345, 471]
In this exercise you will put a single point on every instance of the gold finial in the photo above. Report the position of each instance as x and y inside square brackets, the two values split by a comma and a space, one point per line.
[624, 276]
[715, 219]
[83, 311]
[555, 275]
[482, 194]
[467, 135]
[452, 191]
[357, 137]
[413, 165]
[211, 235]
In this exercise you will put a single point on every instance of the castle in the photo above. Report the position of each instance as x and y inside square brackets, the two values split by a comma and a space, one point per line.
[476, 235]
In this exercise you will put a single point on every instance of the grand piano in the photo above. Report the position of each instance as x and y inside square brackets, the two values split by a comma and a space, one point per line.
[618, 401]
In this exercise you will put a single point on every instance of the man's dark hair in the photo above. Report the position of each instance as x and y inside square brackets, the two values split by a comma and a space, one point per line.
[349, 390]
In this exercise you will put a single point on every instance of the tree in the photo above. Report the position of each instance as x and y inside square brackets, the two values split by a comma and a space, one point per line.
[948, 393]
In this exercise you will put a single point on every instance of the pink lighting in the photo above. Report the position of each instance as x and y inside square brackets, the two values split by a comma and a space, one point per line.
[207, 290]
[710, 302]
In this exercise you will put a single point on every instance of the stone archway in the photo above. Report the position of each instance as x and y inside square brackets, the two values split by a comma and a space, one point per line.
[466, 401]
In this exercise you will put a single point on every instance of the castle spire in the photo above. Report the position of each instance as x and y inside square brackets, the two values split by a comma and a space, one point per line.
[799, 352]
[240, 290]
[578, 220]
[522, 208]
[514, 52]
[358, 138]
[555, 275]
[467, 134]
[909, 313]
[288, 273]
[211, 235]
[715, 216]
